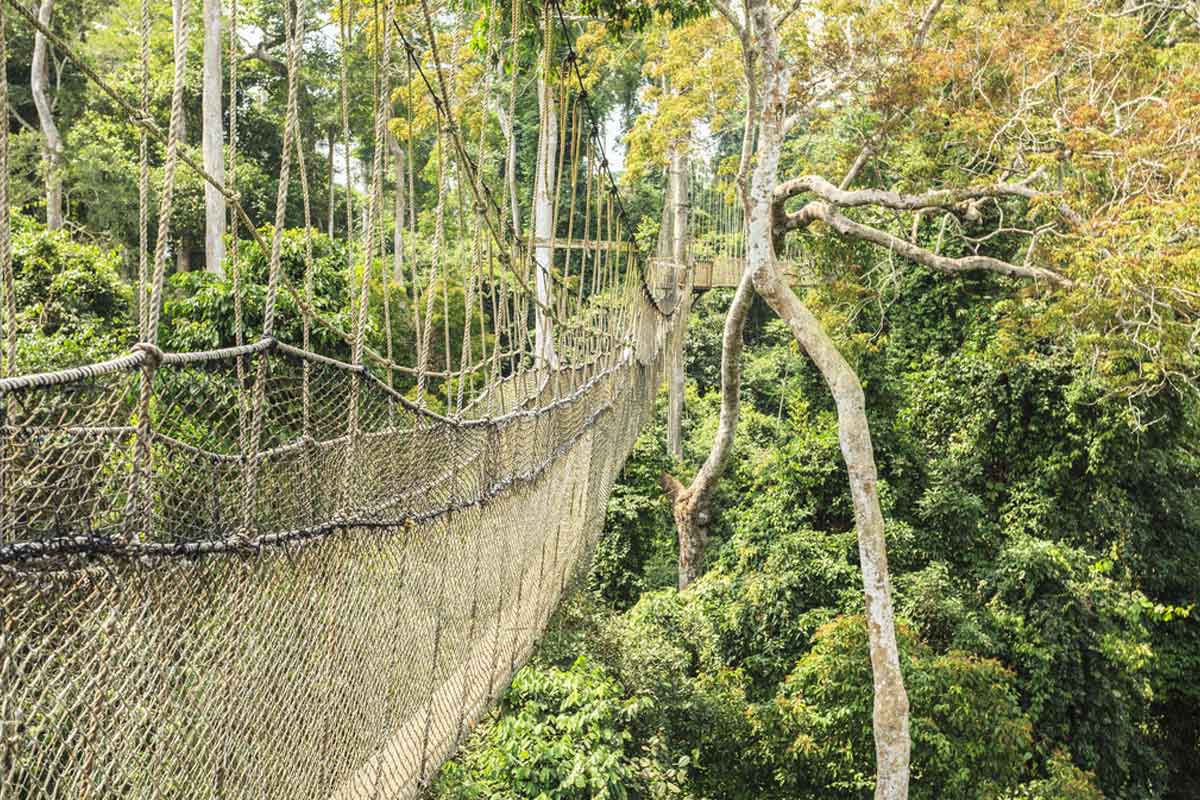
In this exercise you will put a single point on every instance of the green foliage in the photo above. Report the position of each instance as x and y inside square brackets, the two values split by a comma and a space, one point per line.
[560, 735]
[770, 593]
[639, 15]
[636, 551]
[198, 311]
[1064, 782]
[73, 306]
[970, 737]
[1082, 652]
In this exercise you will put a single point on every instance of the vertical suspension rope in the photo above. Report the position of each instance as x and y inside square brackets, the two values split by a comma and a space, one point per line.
[167, 195]
[144, 171]
[235, 261]
[412, 206]
[438, 231]
[305, 322]
[8, 730]
[8, 365]
[250, 467]
[140, 489]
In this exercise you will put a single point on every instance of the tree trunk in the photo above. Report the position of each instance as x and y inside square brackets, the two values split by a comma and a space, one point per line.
[332, 194]
[675, 379]
[890, 716]
[398, 210]
[183, 256]
[212, 137]
[690, 507]
[543, 225]
[39, 81]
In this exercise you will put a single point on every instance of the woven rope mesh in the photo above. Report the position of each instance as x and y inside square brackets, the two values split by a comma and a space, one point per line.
[258, 572]
[325, 619]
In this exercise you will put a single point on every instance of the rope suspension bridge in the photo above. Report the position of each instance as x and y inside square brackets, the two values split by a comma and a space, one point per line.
[264, 571]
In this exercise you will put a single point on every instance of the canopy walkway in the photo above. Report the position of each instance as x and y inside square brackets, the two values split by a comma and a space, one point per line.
[263, 571]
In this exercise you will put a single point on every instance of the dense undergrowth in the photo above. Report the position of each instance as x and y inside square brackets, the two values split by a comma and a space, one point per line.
[1044, 539]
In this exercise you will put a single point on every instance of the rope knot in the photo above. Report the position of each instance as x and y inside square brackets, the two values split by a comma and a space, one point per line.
[154, 355]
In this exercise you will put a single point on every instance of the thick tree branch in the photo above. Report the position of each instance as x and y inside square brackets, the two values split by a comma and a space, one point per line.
[690, 506]
[926, 22]
[948, 199]
[828, 214]
[261, 52]
[726, 11]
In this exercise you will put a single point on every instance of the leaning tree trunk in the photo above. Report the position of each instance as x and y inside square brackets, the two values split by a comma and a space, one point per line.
[212, 137]
[890, 715]
[39, 81]
[690, 505]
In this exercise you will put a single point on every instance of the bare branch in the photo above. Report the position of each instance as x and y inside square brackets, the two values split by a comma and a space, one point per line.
[828, 214]
[261, 52]
[940, 198]
[926, 22]
[728, 13]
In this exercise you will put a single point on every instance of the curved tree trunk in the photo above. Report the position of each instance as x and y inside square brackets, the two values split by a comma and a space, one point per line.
[212, 137]
[890, 715]
[39, 81]
[691, 505]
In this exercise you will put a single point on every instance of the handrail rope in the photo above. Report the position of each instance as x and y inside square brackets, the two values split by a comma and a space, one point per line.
[25, 551]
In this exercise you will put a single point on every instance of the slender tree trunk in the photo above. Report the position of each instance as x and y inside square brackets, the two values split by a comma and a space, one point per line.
[543, 224]
[212, 137]
[39, 81]
[890, 716]
[691, 505]
[679, 223]
[398, 209]
[508, 128]
[332, 192]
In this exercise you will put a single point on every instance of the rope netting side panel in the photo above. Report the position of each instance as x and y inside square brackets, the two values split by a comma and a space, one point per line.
[343, 651]
[262, 572]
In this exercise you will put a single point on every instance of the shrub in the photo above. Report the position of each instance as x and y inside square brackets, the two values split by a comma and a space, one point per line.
[970, 737]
